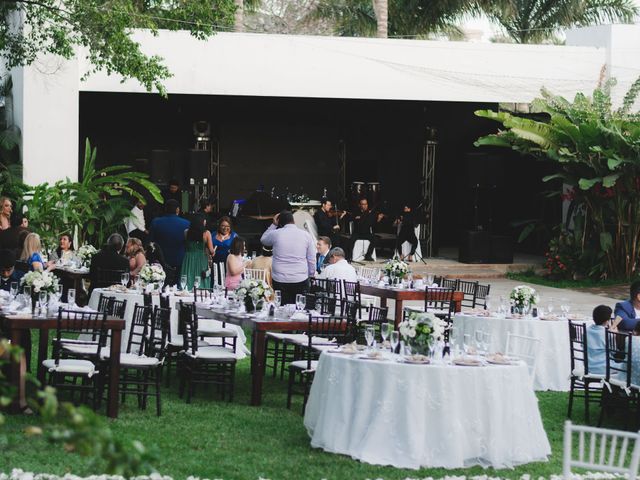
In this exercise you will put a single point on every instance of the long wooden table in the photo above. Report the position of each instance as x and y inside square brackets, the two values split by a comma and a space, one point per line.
[400, 295]
[15, 325]
[259, 328]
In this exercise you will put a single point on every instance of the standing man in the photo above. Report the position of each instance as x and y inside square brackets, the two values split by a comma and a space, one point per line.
[323, 245]
[168, 232]
[173, 192]
[135, 224]
[294, 256]
[363, 223]
[406, 222]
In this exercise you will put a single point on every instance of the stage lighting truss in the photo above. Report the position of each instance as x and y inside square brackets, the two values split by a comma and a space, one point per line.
[427, 195]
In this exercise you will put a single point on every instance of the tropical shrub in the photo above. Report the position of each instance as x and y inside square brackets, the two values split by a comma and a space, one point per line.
[93, 208]
[596, 151]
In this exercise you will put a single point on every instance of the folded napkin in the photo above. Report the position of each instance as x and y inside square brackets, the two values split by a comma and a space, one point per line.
[299, 316]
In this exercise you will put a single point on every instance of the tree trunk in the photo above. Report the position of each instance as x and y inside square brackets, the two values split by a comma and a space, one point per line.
[239, 17]
[381, 8]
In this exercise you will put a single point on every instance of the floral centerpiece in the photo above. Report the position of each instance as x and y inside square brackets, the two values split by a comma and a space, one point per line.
[396, 270]
[152, 274]
[250, 290]
[40, 281]
[85, 253]
[523, 298]
[422, 330]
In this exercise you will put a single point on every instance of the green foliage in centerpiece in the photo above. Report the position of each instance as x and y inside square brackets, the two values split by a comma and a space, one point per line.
[421, 330]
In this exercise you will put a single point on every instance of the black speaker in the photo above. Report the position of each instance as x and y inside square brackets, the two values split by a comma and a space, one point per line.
[160, 166]
[199, 161]
[475, 247]
[484, 171]
[501, 249]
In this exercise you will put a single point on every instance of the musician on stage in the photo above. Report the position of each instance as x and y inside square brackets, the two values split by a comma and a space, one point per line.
[363, 223]
[407, 232]
[327, 222]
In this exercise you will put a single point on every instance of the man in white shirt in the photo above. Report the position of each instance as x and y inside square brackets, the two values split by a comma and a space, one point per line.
[135, 223]
[339, 268]
[294, 256]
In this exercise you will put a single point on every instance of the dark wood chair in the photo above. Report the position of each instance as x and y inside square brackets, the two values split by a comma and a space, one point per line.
[470, 291]
[583, 383]
[623, 394]
[203, 365]
[481, 296]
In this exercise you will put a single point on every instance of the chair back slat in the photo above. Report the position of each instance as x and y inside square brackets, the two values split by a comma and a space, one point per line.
[320, 303]
[470, 291]
[578, 346]
[481, 296]
[139, 332]
[160, 335]
[202, 294]
[188, 320]
[526, 349]
[218, 272]
[607, 450]
[618, 353]
[255, 274]
[84, 328]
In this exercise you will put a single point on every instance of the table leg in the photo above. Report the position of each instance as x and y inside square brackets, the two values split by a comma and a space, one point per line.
[398, 314]
[259, 339]
[18, 375]
[114, 374]
[457, 305]
[43, 351]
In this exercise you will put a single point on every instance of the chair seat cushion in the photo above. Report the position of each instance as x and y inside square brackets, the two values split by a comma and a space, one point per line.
[133, 360]
[579, 372]
[217, 332]
[213, 353]
[302, 365]
[77, 349]
[72, 366]
[281, 336]
[177, 341]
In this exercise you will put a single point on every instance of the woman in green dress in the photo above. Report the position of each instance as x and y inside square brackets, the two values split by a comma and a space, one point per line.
[198, 248]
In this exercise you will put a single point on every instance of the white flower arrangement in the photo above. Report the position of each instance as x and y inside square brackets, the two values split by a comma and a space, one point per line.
[40, 281]
[85, 253]
[421, 329]
[395, 268]
[523, 296]
[152, 274]
[257, 289]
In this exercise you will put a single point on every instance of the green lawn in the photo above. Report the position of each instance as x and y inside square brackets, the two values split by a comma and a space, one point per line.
[531, 277]
[214, 439]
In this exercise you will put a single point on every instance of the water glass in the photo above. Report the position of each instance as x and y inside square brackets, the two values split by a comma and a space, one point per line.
[277, 298]
[369, 335]
[42, 303]
[385, 328]
[26, 290]
[395, 340]
[466, 342]
[486, 341]
[71, 297]
[489, 303]
[124, 279]
[183, 282]
[14, 289]
[429, 280]
[196, 282]
[301, 301]
[478, 339]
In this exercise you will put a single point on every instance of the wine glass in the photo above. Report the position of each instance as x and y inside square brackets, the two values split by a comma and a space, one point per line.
[42, 302]
[14, 289]
[26, 292]
[486, 341]
[71, 297]
[478, 338]
[369, 333]
[124, 279]
[489, 303]
[385, 328]
[300, 301]
[183, 282]
[395, 340]
[454, 339]
[254, 301]
[550, 306]
[196, 282]
[277, 298]
[429, 280]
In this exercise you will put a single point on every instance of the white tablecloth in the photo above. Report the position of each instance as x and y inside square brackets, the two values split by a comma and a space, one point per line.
[134, 299]
[554, 361]
[413, 416]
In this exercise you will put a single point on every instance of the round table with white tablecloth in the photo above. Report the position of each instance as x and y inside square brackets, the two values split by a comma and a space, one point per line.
[133, 298]
[413, 416]
[554, 362]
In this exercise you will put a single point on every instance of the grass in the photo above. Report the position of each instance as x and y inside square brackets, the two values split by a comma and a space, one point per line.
[214, 439]
[531, 277]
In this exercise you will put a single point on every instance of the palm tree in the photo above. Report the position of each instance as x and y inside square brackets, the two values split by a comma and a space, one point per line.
[533, 21]
[359, 18]
[381, 9]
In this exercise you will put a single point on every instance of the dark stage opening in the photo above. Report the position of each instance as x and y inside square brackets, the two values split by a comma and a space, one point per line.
[293, 143]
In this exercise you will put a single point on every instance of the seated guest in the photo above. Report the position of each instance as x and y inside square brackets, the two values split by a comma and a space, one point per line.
[222, 239]
[6, 209]
[108, 258]
[629, 310]
[10, 238]
[136, 256]
[263, 262]
[64, 252]
[168, 232]
[8, 272]
[235, 264]
[136, 225]
[339, 268]
[323, 245]
[32, 253]
[596, 349]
